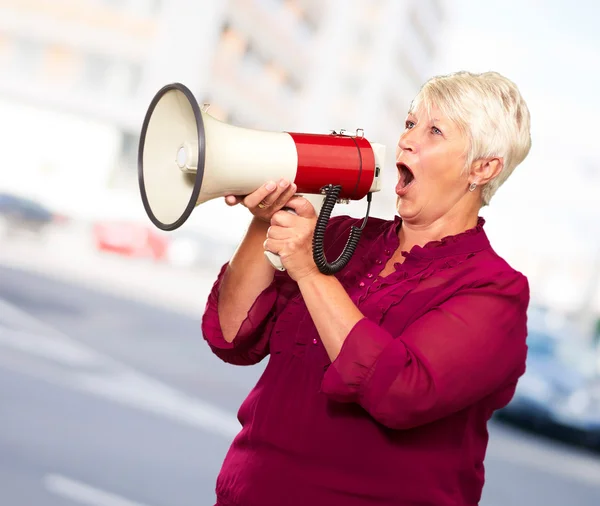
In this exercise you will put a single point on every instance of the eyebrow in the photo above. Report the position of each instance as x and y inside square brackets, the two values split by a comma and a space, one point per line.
[433, 120]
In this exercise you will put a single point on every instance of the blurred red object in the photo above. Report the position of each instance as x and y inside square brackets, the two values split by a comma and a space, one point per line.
[130, 239]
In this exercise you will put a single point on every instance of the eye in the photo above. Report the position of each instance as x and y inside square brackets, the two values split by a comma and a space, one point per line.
[436, 130]
[409, 124]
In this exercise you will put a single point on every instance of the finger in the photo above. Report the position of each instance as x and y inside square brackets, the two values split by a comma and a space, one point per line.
[232, 200]
[283, 219]
[286, 195]
[273, 245]
[278, 233]
[262, 194]
[302, 207]
[277, 200]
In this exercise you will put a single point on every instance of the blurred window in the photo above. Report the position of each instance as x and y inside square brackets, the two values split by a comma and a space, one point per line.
[146, 6]
[60, 63]
[124, 79]
[253, 61]
[115, 3]
[233, 41]
[408, 69]
[95, 72]
[102, 74]
[255, 64]
[271, 4]
[5, 47]
[143, 7]
[305, 20]
[129, 152]
[423, 32]
[436, 7]
[276, 73]
[28, 56]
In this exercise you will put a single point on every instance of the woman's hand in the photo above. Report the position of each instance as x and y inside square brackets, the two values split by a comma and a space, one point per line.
[264, 202]
[290, 236]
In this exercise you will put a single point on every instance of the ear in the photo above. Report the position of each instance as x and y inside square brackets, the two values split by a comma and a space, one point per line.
[485, 169]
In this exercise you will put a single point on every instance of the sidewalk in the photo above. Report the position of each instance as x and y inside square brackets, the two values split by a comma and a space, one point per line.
[68, 255]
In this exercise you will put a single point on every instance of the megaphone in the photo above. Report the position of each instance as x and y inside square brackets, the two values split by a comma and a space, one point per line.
[187, 157]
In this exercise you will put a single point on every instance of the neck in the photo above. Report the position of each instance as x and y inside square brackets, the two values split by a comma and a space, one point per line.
[419, 234]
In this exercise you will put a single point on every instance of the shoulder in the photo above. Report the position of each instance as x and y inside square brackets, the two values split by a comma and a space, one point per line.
[491, 273]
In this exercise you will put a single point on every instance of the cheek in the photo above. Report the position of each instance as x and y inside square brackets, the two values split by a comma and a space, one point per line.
[436, 167]
[443, 172]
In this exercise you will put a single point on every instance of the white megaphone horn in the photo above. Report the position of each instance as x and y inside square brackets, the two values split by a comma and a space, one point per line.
[187, 157]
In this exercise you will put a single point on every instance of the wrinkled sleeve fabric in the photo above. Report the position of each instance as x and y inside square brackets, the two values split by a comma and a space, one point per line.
[456, 354]
[251, 343]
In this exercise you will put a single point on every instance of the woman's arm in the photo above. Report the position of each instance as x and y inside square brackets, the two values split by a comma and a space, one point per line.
[456, 354]
[235, 320]
[332, 311]
[247, 275]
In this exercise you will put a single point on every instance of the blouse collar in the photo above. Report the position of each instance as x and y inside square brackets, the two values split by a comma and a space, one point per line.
[470, 241]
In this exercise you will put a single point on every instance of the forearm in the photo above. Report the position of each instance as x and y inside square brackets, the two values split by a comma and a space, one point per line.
[246, 277]
[333, 312]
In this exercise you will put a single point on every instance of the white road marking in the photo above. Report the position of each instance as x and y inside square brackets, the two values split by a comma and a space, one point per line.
[108, 378]
[84, 494]
[124, 385]
[53, 349]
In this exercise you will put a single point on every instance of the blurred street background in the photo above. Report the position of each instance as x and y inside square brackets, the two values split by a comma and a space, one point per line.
[108, 394]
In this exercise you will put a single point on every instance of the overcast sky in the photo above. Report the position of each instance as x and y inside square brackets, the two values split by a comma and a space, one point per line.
[552, 51]
[550, 48]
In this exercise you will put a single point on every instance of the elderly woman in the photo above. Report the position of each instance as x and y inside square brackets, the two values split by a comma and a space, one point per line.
[381, 379]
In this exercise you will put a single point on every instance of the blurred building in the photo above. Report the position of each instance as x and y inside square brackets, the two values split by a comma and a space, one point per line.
[76, 77]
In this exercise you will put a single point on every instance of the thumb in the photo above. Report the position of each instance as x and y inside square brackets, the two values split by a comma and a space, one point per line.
[232, 200]
[302, 207]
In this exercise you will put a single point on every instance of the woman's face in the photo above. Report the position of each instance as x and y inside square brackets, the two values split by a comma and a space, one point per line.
[430, 157]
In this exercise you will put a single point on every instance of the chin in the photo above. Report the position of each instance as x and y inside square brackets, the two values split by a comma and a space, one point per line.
[407, 210]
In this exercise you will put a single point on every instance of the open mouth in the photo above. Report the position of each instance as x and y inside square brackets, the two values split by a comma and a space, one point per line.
[406, 177]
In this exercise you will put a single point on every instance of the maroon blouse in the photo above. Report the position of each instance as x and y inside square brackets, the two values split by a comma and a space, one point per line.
[399, 417]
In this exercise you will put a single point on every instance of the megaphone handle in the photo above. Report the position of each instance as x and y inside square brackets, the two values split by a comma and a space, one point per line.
[317, 202]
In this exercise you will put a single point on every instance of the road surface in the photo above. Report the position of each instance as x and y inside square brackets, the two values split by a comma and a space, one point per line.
[107, 401]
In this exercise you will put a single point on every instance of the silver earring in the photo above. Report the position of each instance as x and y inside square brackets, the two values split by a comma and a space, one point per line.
[472, 187]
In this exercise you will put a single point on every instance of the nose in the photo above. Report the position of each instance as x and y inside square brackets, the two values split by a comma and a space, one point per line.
[406, 141]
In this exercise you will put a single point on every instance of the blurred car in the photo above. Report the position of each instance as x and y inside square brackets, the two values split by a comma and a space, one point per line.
[560, 390]
[20, 215]
[130, 239]
[193, 250]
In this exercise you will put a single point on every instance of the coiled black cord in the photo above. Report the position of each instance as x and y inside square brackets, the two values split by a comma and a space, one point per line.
[332, 192]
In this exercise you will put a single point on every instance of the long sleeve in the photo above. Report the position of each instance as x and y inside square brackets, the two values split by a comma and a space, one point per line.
[466, 348]
[251, 343]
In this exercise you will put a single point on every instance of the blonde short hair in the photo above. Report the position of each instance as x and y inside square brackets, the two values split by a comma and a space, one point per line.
[489, 108]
